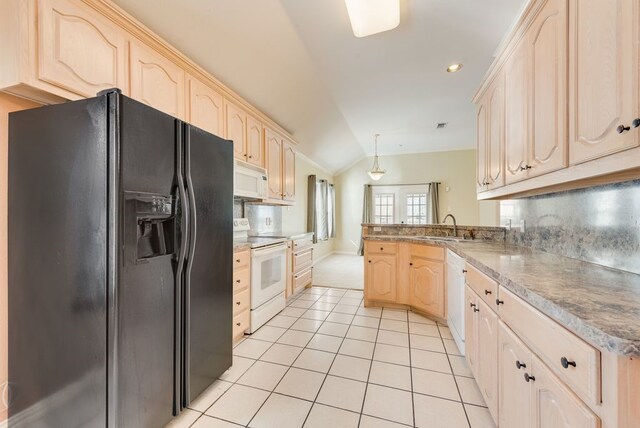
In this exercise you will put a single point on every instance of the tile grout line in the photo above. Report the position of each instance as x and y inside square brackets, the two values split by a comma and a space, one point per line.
[375, 344]
[413, 401]
[455, 380]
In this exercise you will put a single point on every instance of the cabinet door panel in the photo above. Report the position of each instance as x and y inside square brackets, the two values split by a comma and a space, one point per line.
[273, 144]
[156, 81]
[471, 329]
[548, 40]
[381, 277]
[426, 286]
[255, 141]
[516, 111]
[513, 391]
[554, 405]
[481, 161]
[487, 344]
[289, 173]
[236, 130]
[495, 155]
[604, 75]
[206, 110]
[78, 50]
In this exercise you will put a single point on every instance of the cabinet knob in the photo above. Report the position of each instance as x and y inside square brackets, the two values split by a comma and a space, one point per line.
[499, 302]
[621, 128]
[250, 157]
[472, 305]
[476, 310]
[520, 365]
[237, 260]
[369, 261]
[636, 122]
[381, 248]
[464, 271]
[238, 324]
[238, 281]
[529, 378]
[566, 363]
[410, 264]
[524, 168]
[487, 292]
[238, 303]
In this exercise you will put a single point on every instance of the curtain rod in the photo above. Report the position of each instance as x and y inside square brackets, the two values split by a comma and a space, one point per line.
[406, 184]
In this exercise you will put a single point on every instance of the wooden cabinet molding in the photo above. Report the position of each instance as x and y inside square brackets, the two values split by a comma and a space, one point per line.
[205, 107]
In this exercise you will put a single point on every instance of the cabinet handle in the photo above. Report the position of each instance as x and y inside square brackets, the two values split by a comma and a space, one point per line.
[250, 157]
[636, 122]
[238, 324]
[524, 168]
[238, 303]
[476, 310]
[622, 128]
[499, 302]
[529, 378]
[487, 292]
[472, 305]
[520, 365]
[566, 363]
[464, 271]
[237, 260]
[238, 281]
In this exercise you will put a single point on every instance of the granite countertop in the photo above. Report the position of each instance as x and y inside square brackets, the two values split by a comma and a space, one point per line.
[599, 304]
[291, 235]
[241, 246]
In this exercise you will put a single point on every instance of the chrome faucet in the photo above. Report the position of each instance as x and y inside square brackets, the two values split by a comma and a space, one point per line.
[455, 226]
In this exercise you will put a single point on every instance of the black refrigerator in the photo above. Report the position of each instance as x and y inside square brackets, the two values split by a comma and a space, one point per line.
[120, 275]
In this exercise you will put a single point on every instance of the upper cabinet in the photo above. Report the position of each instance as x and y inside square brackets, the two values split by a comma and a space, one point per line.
[569, 95]
[79, 50]
[281, 167]
[156, 81]
[205, 107]
[604, 77]
[289, 171]
[246, 133]
[255, 141]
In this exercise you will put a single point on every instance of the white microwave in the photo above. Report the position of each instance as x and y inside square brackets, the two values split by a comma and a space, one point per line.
[249, 181]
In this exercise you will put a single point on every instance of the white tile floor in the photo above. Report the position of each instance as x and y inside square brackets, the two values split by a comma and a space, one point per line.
[338, 364]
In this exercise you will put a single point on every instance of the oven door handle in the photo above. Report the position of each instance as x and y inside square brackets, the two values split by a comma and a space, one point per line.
[259, 252]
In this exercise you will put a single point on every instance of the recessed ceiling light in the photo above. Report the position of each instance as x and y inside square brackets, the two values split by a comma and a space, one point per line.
[454, 67]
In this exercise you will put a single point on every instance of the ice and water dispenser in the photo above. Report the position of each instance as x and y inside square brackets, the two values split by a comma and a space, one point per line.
[154, 219]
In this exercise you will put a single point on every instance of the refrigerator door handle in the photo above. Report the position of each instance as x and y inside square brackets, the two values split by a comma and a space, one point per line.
[193, 227]
[184, 225]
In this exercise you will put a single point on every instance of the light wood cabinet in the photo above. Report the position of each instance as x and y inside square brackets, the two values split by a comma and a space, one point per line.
[516, 113]
[513, 391]
[205, 107]
[380, 277]
[79, 50]
[471, 329]
[481, 147]
[554, 405]
[495, 143]
[603, 94]
[427, 285]
[299, 265]
[288, 171]
[156, 81]
[236, 120]
[241, 293]
[255, 141]
[548, 40]
[274, 148]
[487, 365]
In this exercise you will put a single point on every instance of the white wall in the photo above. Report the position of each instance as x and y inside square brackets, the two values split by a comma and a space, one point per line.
[455, 169]
[295, 218]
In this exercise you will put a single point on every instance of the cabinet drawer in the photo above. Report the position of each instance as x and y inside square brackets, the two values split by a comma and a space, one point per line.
[382, 247]
[241, 323]
[241, 301]
[303, 278]
[427, 251]
[241, 279]
[554, 345]
[302, 259]
[299, 244]
[241, 259]
[484, 286]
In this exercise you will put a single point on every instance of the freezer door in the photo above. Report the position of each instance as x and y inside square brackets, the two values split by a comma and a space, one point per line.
[58, 266]
[146, 365]
[208, 277]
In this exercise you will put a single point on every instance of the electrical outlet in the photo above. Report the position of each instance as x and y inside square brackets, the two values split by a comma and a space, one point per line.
[522, 226]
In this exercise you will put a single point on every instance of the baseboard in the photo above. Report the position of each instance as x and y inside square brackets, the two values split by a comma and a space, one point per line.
[316, 261]
[350, 253]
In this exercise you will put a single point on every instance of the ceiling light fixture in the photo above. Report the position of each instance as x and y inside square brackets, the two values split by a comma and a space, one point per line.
[373, 16]
[376, 173]
[454, 67]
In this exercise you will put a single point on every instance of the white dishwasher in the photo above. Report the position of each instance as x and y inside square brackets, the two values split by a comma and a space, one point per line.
[455, 290]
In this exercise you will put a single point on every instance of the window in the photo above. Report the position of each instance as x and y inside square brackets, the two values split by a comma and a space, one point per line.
[402, 204]
[384, 208]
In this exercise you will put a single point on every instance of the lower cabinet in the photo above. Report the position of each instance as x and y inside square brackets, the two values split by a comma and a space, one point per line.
[481, 343]
[299, 265]
[241, 293]
[406, 274]
[531, 395]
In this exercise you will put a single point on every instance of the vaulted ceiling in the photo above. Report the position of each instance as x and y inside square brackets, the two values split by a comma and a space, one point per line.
[298, 61]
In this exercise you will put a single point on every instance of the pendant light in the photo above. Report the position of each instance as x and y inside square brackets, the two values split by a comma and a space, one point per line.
[376, 173]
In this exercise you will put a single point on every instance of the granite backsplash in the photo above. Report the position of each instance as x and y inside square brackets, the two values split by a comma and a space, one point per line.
[468, 232]
[598, 224]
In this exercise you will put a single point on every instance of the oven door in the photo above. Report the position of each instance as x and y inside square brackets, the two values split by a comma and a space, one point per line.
[268, 273]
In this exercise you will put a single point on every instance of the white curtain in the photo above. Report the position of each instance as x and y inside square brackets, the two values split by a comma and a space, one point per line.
[321, 213]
